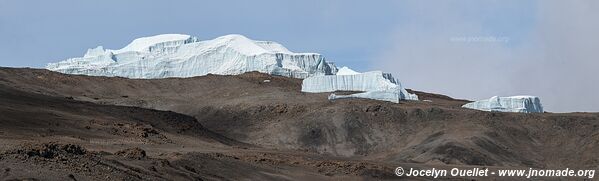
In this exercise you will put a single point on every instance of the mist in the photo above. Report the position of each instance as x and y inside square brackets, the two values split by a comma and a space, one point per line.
[554, 55]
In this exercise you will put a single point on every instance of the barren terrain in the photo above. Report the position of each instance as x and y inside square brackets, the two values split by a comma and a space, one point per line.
[57, 127]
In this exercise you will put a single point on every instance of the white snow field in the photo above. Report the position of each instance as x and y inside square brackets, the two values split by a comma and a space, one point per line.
[346, 71]
[522, 104]
[372, 85]
[177, 55]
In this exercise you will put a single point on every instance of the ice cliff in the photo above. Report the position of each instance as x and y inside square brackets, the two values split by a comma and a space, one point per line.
[176, 55]
[372, 85]
[523, 104]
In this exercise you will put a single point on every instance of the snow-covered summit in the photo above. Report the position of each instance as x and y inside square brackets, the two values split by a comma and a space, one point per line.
[177, 55]
[143, 44]
[346, 71]
[524, 104]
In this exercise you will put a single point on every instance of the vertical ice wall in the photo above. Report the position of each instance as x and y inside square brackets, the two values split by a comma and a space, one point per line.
[372, 85]
[524, 104]
[176, 55]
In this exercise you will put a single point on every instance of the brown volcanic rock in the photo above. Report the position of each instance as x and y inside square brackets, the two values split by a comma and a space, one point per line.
[48, 150]
[234, 116]
[133, 153]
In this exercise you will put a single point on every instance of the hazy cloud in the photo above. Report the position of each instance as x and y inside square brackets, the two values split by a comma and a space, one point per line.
[556, 58]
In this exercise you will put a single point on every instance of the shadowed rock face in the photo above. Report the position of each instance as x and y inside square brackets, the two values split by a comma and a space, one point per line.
[242, 122]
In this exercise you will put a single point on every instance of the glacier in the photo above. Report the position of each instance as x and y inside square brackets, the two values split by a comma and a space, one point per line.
[521, 104]
[178, 55]
[371, 85]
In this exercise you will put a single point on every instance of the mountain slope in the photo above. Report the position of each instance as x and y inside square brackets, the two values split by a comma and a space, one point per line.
[51, 137]
[277, 115]
[31, 115]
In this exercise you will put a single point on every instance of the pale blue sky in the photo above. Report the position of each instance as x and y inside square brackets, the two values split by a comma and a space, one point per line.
[415, 39]
[347, 32]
